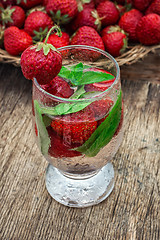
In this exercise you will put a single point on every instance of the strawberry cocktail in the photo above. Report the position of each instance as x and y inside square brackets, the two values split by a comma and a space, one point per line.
[77, 120]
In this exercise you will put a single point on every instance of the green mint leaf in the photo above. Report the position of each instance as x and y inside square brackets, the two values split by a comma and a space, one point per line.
[47, 120]
[43, 137]
[104, 133]
[93, 77]
[74, 74]
[77, 76]
[64, 108]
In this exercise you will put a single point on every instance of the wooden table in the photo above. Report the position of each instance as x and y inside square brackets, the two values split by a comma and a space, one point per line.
[130, 212]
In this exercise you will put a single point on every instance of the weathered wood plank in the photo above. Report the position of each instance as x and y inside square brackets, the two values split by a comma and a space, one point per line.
[131, 211]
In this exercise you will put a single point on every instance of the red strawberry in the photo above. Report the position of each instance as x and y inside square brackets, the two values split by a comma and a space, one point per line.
[27, 4]
[148, 29]
[75, 128]
[57, 41]
[12, 16]
[83, 4]
[87, 36]
[101, 107]
[115, 40]
[62, 11]
[128, 22]
[58, 87]
[41, 61]
[37, 24]
[141, 5]
[35, 63]
[16, 40]
[58, 148]
[108, 12]
[115, 43]
[87, 17]
[154, 7]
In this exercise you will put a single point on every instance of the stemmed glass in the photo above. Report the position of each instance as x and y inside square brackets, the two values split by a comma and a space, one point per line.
[80, 134]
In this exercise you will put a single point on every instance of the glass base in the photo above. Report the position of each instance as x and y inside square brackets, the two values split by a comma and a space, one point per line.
[80, 192]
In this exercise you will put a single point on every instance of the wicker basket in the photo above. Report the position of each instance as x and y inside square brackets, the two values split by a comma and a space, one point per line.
[133, 54]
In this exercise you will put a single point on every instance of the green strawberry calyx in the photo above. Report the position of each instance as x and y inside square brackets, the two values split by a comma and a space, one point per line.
[125, 45]
[39, 35]
[19, 1]
[60, 18]
[97, 19]
[6, 15]
[36, 8]
[116, 28]
[47, 46]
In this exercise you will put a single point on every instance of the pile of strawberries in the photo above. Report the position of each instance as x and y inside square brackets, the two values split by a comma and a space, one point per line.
[105, 24]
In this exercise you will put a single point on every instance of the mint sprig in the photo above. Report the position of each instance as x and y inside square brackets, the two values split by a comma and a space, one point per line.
[78, 75]
[67, 108]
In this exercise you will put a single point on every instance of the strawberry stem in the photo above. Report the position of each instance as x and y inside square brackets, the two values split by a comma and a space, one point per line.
[59, 33]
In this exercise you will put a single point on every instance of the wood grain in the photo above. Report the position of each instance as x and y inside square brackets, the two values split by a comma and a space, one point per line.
[132, 210]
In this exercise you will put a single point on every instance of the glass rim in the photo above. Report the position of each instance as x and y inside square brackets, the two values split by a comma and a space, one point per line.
[100, 95]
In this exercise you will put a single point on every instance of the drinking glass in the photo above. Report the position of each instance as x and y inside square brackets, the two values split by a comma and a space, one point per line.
[79, 135]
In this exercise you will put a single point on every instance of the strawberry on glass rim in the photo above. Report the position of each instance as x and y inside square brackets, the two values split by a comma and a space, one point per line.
[42, 60]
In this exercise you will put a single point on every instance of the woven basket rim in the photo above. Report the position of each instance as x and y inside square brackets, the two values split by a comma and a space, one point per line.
[132, 55]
